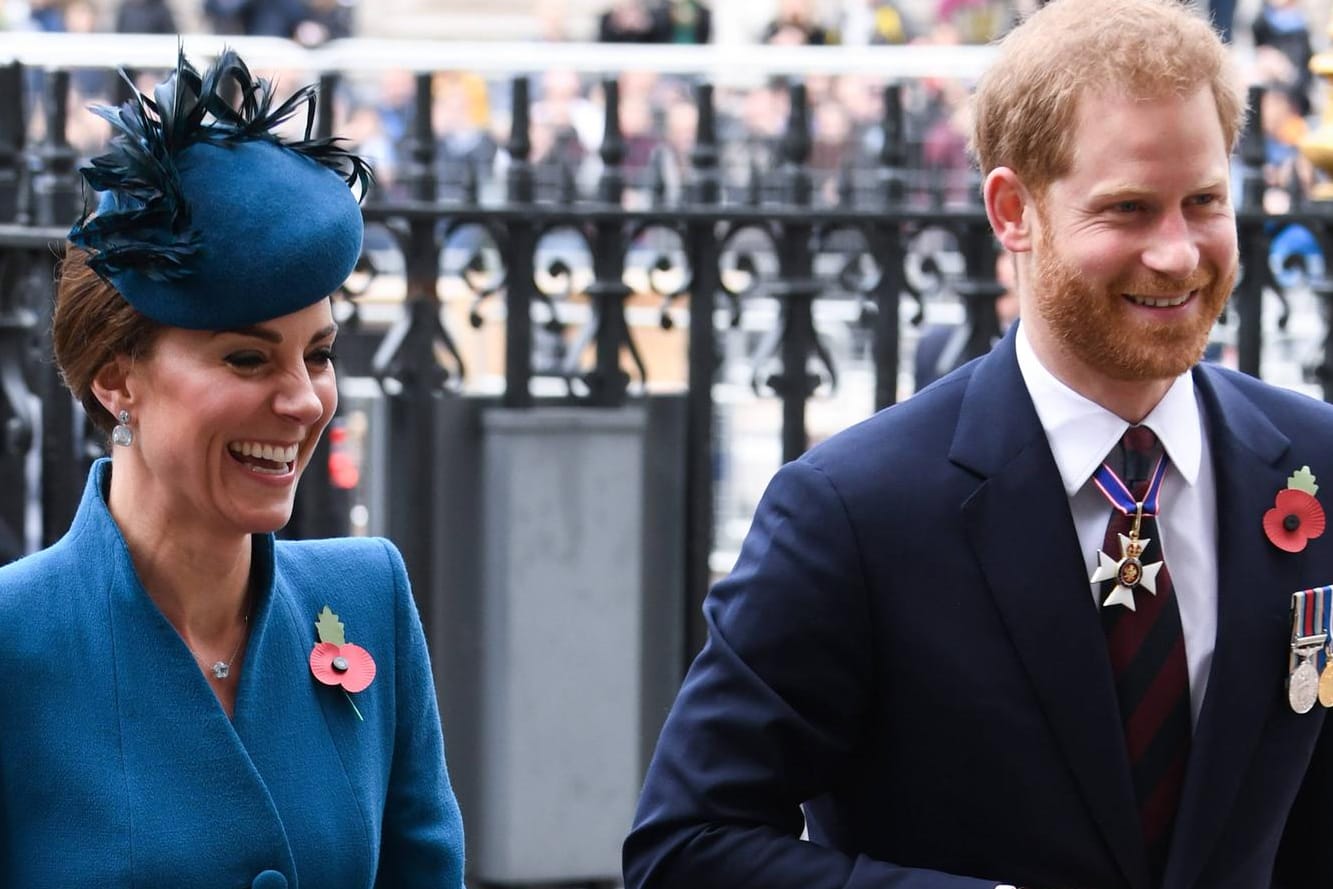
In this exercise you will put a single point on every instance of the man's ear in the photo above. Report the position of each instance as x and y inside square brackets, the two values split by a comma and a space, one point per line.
[1008, 203]
[111, 385]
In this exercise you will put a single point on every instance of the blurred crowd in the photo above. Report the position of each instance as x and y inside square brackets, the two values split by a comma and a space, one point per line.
[658, 117]
[309, 22]
[471, 114]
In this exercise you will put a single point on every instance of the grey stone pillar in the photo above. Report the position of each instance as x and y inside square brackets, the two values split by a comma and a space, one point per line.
[562, 635]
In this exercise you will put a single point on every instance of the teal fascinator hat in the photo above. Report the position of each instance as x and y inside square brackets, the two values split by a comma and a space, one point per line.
[207, 219]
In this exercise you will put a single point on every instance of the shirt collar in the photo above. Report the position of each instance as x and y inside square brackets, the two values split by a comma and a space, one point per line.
[1081, 432]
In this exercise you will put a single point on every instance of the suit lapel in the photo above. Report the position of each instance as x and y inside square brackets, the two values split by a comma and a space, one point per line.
[1255, 583]
[1020, 527]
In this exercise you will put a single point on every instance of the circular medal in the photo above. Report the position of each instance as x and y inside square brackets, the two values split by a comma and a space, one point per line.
[1303, 687]
[1130, 573]
[1326, 685]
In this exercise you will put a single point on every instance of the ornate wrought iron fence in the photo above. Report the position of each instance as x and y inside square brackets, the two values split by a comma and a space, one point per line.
[712, 254]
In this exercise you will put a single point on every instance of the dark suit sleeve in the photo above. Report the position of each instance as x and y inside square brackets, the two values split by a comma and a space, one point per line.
[1302, 859]
[771, 714]
[422, 843]
[4, 834]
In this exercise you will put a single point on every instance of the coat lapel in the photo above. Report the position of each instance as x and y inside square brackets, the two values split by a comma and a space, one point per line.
[186, 772]
[310, 766]
[1019, 524]
[1255, 583]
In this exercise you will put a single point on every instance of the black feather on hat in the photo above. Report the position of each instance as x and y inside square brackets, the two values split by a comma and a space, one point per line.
[186, 186]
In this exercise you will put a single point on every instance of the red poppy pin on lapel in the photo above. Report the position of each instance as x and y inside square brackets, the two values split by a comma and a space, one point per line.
[337, 662]
[1296, 517]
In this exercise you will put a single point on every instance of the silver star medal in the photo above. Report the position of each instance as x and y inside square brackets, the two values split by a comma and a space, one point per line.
[1128, 572]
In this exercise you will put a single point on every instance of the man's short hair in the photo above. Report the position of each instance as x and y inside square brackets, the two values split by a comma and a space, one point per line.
[1025, 105]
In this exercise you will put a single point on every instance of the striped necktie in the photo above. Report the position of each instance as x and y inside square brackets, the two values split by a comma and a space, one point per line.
[1147, 651]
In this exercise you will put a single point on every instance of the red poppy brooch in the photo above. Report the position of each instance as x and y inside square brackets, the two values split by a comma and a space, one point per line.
[337, 662]
[1296, 517]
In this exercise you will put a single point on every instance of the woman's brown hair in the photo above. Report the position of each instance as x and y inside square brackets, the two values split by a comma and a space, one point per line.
[91, 325]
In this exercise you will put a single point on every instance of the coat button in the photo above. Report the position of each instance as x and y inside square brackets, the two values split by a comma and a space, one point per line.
[269, 879]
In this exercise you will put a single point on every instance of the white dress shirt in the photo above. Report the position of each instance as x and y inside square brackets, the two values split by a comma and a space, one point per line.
[1081, 433]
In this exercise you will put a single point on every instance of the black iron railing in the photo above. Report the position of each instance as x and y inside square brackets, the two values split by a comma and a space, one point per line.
[713, 250]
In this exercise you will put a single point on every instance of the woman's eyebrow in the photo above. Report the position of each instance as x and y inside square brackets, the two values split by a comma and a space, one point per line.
[272, 336]
[256, 331]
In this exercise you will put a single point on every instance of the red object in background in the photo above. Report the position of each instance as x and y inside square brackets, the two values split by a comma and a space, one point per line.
[344, 471]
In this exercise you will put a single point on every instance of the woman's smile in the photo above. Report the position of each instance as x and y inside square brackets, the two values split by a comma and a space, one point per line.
[265, 459]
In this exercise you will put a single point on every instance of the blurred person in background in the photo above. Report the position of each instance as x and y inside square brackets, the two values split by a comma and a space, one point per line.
[680, 129]
[750, 126]
[795, 24]
[872, 22]
[324, 20]
[1223, 14]
[1282, 46]
[863, 98]
[574, 122]
[976, 21]
[944, 146]
[942, 347]
[308, 22]
[47, 15]
[633, 21]
[383, 122]
[145, 17]
[1294, 251]
[640, 133]
[230, 16]
[89, 84]
[552, 20]
[460, 119]
[831, 145]
[690, 21]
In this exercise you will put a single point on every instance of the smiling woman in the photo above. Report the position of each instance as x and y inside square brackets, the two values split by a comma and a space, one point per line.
[184, 704]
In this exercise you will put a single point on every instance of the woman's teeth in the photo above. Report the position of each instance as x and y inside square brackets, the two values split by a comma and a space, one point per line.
[276, 460]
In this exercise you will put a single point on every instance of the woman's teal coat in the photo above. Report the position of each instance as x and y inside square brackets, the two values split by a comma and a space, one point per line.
[118, 767]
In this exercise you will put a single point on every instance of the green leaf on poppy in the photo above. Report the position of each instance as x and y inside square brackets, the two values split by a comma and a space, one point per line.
[1303, 480]
[329, 628]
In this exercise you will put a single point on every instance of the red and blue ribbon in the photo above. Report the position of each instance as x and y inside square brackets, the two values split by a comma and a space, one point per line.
[1119, 494]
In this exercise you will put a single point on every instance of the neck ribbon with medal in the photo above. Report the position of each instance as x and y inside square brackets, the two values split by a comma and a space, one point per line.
[1129, 571]
[1311, 665]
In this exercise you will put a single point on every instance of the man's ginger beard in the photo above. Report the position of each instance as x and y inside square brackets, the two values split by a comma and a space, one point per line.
[1099, 329]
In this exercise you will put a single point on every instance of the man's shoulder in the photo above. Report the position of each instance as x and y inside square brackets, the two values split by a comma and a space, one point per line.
[1285, 408]
[905, 437]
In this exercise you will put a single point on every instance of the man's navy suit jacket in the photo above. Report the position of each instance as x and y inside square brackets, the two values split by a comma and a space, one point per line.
[909, 648]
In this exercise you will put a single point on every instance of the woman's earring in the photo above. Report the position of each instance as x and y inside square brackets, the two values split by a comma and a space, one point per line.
[122, 434]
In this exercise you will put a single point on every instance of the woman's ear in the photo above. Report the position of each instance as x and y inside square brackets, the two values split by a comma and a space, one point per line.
[111, 385]
[1007, 205]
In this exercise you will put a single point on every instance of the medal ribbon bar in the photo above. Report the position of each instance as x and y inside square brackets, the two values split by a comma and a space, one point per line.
[1325, 656]
[1309, 635]
[1309, 622]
